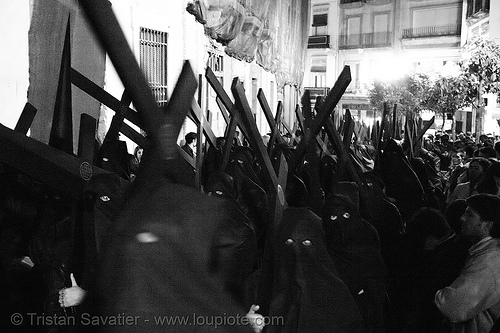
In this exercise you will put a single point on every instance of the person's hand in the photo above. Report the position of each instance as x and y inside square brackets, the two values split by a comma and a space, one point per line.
[255, 319]
[23, 263]
[72, 296]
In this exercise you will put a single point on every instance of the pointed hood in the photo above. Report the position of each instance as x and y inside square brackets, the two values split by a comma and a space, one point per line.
[61, 133]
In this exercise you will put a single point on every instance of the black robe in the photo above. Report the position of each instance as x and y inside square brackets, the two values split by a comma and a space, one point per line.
[307, 293]
[156, 266]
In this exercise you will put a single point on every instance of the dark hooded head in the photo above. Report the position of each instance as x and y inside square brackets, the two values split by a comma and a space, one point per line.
[221, 184]
[328, 173]
[307, 291]
[296, 192]
[300, 238]
[340, 221]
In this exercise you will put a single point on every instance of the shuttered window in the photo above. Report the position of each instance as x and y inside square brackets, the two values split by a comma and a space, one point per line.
[320, 20]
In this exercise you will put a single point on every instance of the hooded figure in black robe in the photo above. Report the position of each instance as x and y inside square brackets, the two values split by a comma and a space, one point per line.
[251, 197]
[401, 182]
[354, 247]
[235, 247]
[156, 266]
[308, 294]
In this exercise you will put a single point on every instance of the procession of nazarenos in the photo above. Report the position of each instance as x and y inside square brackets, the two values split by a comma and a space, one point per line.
[172, 217]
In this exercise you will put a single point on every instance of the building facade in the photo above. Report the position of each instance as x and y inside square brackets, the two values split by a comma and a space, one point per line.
[379, 39]
[161, 34]
[482, 18]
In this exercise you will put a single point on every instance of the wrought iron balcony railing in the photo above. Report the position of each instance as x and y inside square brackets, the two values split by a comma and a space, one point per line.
[352, 3]
[318, 42]
[374, 39]
[477, 8]
[443, 30]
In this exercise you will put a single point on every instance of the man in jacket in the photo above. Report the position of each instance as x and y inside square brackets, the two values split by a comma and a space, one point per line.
[190, 144]
[472, 301]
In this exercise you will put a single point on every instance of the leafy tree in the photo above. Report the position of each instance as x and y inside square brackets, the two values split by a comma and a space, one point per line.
[448, 94]
[481, 70]
[409, 92]
[444, 94]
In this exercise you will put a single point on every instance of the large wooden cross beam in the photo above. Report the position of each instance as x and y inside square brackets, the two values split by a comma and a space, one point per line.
[197, 116]
[53, 167]
[86, 141]
[276, 186]
[121, 108]
[224, 101]
[304, 122]
[348, 130]
[273, 122]
[254, 137]
[24, 122]
[123, 111]
[381, 130]
[327, 107]
[340, 148]
[46, 164]
[162, 128]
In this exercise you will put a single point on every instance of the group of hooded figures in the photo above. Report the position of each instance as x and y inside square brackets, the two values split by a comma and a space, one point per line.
[158, 251]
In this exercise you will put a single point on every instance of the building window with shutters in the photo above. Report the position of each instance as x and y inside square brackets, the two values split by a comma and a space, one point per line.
[153, 61]
[380, 29]
[352, 27]
[355, 84]
[320, 24]
[318, 71]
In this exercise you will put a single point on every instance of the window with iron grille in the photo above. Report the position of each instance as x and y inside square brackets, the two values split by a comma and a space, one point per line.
[153, 60]
[215, 62]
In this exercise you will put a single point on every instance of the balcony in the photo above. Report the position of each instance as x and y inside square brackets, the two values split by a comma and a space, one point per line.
[318, 42]
[443, 30]
[378, 2]
[368, 40]
[345, 4]
[315, 92]
[477, 9]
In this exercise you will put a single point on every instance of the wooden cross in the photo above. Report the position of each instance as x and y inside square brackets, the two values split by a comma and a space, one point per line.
[395, 125]
[124, 111]
[326, 109]
[424, 129]
[305, 122]
[24, 122]
[381, 130]
[337, 142]
[273, 123]
[254, 137]
[162, 128]
[46, 164]
[86, 141]
[223, 100]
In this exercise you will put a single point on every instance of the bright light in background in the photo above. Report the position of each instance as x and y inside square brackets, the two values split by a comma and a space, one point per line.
[390, 69]
[14, 27]
[450, 69]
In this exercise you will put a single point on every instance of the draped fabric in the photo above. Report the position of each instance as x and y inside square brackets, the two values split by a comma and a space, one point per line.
[46, 37]
[271, 32]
